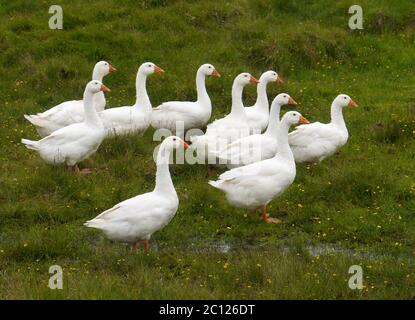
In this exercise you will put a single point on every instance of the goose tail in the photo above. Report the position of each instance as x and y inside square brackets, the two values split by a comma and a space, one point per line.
[93, 224]
[33, 119]
[216, 184]
[30, 144]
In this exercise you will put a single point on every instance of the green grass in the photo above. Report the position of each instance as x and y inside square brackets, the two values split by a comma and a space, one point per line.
[356, 207]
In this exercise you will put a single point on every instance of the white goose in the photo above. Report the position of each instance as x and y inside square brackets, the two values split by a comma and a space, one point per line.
[180, 116]
[137, 118]
[316, 141]
[230, 128]
[257, 147]
[255, 185]
[72, 111]
[76, 142]
[136, 219]
[258, 114]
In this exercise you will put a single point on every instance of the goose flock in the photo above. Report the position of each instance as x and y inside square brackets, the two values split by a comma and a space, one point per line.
[251, 142]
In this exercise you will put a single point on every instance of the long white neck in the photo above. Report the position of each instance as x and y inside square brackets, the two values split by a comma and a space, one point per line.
[91, 116]
[337, 116]
[202, 95]
[274, 120]
[284, 149]
[142, 101]
[262, 98]
[237, 105]
[163, 178]
[99, 98]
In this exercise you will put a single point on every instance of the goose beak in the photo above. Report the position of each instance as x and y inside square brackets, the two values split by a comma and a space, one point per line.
[157, 69]
[279, 80]
[292, 101]
[112, 69]
[215, 74]
[352, 104]
[303, 120]
[185, 145]
[253, 80]
[104, 88]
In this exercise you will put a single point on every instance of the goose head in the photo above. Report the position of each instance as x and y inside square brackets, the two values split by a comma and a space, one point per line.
[96, 86]
[244, 78]
[284, 99]
[173, 142]
[148, 68]
[271, 76]
[343, 100]
[208, 70]
[103, 68]
[294, 117]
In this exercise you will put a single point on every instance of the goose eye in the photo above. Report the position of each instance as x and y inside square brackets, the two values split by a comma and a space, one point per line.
[344, 98]
[174, 139]
[210, 67]
[149, 65]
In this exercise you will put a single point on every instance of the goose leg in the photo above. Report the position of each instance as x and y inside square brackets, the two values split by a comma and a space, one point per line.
[265, 216]
[146, 245]
[134, 247]
[81, 172]
[310, 165]
[209, 170]
[85, 172]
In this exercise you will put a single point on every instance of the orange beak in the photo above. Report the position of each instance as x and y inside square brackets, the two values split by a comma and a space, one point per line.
[253, 80]
[303, 120]
[291, 101]
[157, 69]
[215, 74]
[105, 88]
[185, 145]
[352, 104]
[279, 80]
[112, 69]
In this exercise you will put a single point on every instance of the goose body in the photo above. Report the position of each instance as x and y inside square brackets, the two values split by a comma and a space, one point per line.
[258, 114]
[70, 112]
[253, 186]
[314, 142]
[256, 147]
[228, 129]
[136, 219]
[76, 142]
[180, 116]
[136, 118]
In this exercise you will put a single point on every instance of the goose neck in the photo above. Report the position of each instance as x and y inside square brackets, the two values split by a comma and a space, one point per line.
[99, 98]
[284, 149]
[262, 98]
[202, 94]
[237, 105]
[97, 75]
[91, 116]
[274, 120]
[142, 99]
[163, 177]
[337, 116]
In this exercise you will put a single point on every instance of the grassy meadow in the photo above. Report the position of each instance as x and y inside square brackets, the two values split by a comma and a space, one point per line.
[355, 208]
